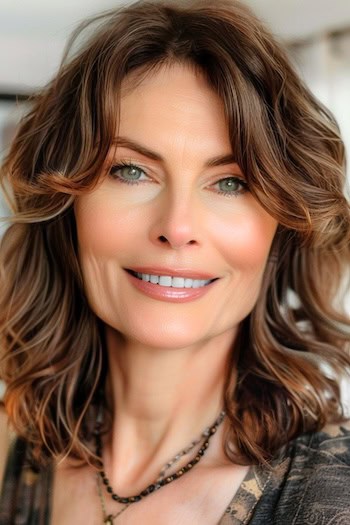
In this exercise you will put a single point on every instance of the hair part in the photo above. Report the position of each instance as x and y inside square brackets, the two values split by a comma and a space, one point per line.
[288, 146]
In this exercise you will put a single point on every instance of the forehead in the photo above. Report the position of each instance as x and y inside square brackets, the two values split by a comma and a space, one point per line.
[174, 101]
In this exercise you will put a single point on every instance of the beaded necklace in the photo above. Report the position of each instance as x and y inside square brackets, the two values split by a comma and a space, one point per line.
[162, 480]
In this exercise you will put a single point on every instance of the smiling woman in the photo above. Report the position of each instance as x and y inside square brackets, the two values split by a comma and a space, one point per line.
[171, 188]
[173, 218]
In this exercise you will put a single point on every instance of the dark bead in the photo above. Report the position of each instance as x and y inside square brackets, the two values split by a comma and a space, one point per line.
[153, 487]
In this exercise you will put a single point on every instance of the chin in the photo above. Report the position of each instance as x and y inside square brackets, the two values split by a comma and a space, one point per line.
[165, 336]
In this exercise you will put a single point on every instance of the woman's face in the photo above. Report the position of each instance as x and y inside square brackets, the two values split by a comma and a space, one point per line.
[169, 211]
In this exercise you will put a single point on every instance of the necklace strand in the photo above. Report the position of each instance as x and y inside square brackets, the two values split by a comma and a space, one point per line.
[161, 480]
[187, 450]
[109, 518]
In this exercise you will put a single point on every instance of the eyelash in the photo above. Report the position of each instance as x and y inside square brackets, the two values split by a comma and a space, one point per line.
[122, 164]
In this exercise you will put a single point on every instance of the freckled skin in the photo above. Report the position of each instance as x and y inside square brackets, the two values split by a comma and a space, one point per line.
[176, 114]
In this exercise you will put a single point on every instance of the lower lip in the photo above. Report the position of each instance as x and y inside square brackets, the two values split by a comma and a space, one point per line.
[168, 293]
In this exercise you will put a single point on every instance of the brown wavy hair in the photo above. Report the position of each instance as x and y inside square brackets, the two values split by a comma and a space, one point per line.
[294, 346]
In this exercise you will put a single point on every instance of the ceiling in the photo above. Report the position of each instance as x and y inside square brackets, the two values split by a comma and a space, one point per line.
[33, 32]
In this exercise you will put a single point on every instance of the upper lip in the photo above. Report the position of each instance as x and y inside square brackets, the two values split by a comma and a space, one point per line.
[172, 272]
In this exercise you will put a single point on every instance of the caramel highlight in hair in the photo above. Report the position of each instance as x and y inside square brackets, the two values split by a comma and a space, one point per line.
[290, 356]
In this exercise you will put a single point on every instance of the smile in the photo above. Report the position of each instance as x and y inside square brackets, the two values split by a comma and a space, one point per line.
[173, 282]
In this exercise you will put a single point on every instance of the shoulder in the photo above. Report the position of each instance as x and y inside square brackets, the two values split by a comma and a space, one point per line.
[13, 457]
[316, 480]
[8, 468]
[330, 445]
[333, 442]
[313, 454]
[25, 491]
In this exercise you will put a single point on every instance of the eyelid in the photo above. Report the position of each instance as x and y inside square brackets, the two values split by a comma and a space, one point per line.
[229, 175]
[128, 164]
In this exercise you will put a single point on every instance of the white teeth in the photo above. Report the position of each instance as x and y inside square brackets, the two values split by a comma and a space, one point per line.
[165, 280]
[175, 282]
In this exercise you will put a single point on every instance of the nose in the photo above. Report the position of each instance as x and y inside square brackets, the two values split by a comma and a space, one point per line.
[176, 223]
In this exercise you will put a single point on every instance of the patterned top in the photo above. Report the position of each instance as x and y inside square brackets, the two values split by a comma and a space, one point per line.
[309, 484]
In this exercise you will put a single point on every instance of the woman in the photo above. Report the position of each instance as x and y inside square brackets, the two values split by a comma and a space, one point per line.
[172, 336]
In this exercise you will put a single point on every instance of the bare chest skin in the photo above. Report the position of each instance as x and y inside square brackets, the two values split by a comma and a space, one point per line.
[199, 498]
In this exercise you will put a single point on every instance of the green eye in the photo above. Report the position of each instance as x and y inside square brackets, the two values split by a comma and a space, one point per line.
[232, 186]
[127, 173]
[131, 174]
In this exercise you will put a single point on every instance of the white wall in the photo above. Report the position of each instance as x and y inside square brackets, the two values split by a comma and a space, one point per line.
[33, 32]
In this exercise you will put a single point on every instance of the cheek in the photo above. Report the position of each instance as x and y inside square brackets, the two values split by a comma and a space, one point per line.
[101, 227]
[246, 241]
[96, 244]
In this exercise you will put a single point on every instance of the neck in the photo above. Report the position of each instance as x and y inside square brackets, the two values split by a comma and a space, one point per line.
[162, 399]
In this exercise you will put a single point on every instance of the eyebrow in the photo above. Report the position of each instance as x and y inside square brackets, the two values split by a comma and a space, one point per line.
[220, 160]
